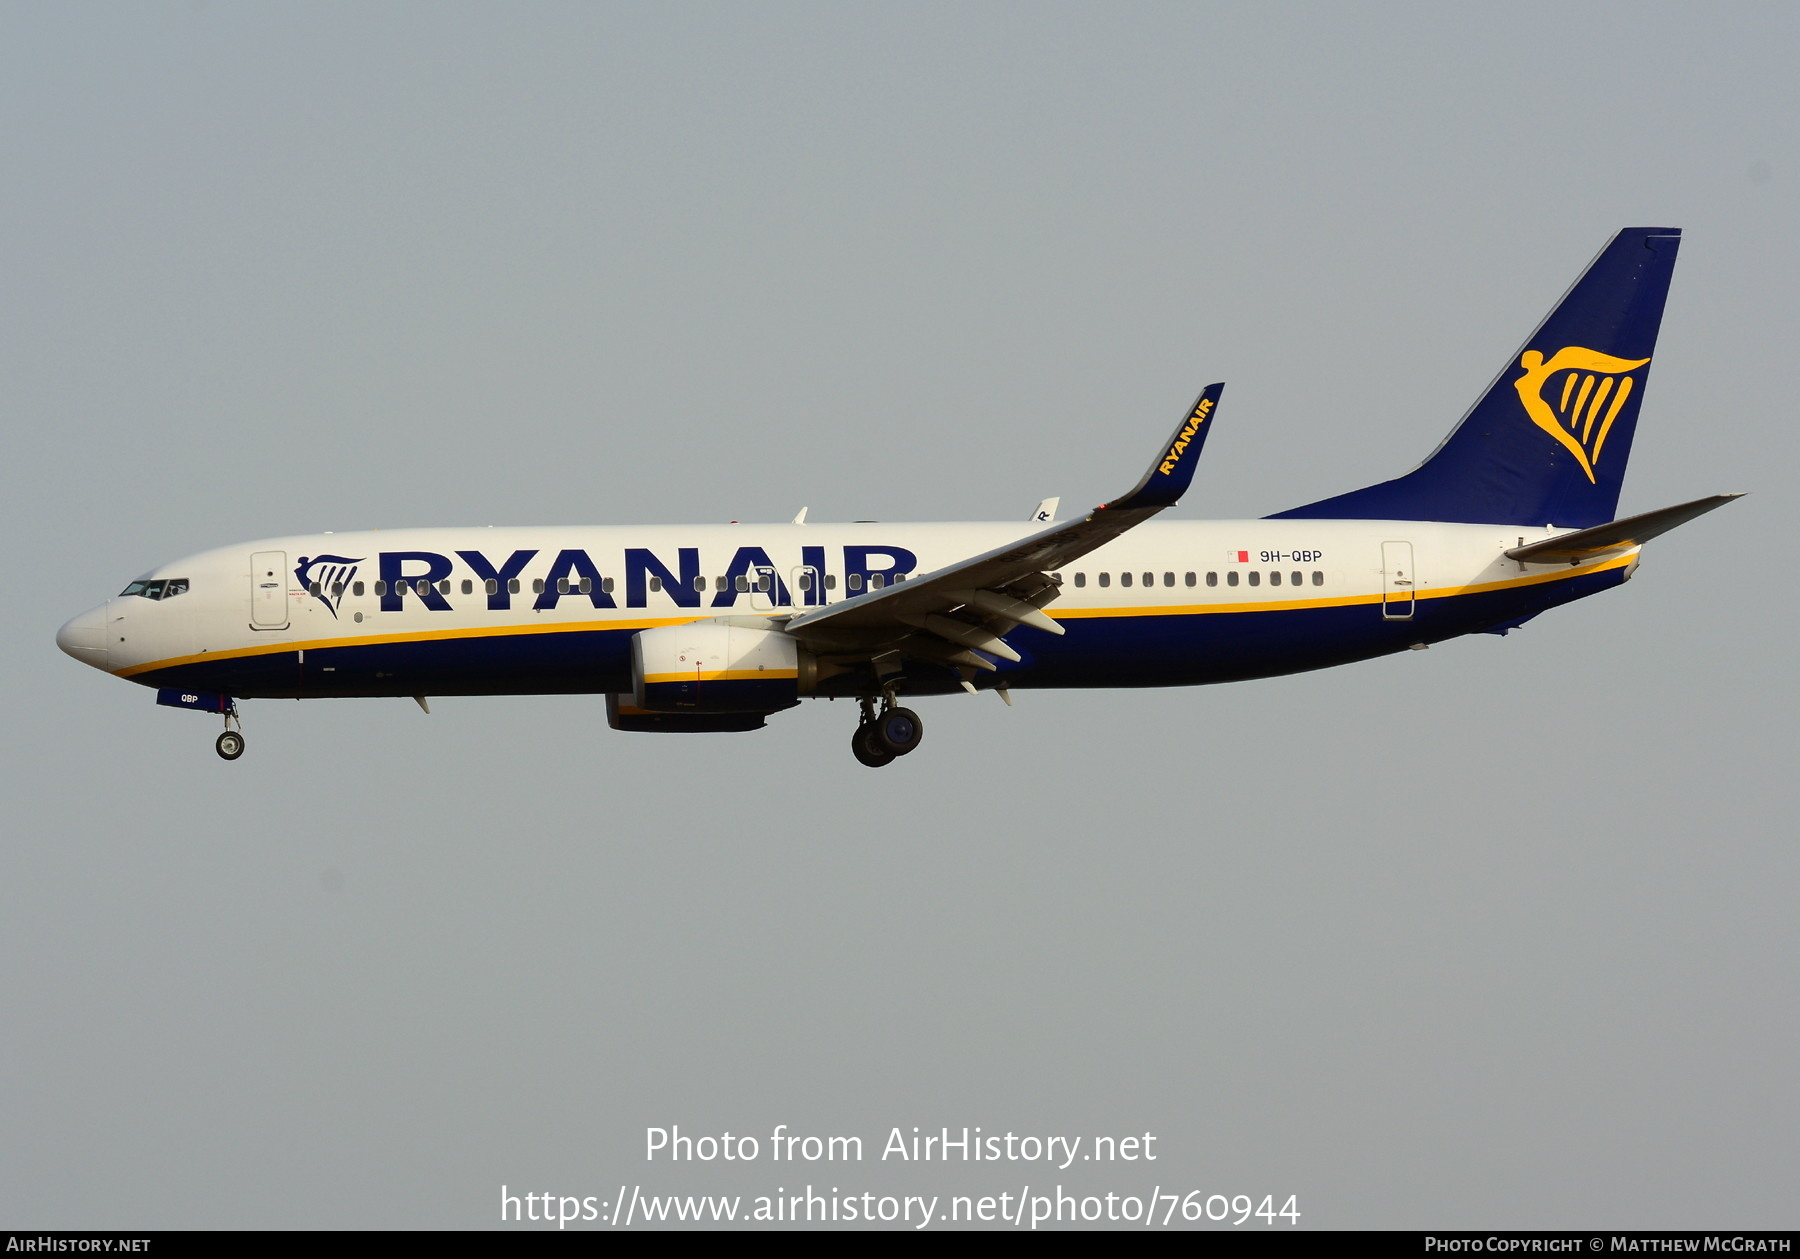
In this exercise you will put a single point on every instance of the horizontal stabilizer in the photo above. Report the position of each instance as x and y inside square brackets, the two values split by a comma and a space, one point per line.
[1619, 535]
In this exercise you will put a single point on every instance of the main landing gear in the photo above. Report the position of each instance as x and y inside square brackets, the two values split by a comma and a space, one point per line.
[883, 735]
[230, 745]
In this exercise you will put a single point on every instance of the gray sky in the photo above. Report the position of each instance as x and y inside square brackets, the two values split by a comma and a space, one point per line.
[1497, 934]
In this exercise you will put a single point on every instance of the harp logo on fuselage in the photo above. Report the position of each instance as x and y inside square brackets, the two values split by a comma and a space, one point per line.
[1593, 389]
[326, 578]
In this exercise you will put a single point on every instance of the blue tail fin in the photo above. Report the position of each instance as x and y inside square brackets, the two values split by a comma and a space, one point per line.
[1547, 443]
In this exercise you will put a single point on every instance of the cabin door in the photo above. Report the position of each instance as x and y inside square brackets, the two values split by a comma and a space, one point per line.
[268, 590]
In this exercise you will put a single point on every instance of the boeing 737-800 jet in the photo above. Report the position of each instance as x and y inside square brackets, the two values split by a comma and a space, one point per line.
[714, 628]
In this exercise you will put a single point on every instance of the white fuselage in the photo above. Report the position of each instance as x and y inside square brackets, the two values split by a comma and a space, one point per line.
[519, 610]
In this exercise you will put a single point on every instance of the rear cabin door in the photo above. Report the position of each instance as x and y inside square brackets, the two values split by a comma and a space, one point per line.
[1397, 581]
[268, 590]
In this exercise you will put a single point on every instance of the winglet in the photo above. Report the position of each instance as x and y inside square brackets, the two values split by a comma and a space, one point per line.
[1168, 477]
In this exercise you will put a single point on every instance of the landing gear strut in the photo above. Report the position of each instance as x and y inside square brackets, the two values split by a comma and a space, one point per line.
[882, 736]
[230, 745]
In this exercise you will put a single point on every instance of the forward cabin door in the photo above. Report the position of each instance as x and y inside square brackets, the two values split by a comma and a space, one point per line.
[1397, 581]
[268, 590]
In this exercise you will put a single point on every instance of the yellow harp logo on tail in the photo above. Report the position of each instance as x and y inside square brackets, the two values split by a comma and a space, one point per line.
[1587, 399]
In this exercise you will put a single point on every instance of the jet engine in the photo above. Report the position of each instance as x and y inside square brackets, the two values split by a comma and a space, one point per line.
[717, 666]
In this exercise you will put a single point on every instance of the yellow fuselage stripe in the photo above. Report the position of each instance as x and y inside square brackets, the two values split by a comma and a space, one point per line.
[724, 675]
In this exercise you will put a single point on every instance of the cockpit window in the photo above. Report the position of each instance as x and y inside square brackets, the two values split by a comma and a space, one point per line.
[160, 588]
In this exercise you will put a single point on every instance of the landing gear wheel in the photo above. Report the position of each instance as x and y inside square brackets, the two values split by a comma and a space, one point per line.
[899, 730]
[869, 748]
[230, 745]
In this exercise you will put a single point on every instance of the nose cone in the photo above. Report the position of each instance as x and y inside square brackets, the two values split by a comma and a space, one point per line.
[85, 637]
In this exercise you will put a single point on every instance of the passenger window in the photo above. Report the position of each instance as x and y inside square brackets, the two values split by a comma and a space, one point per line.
[831, 581]
[606, 585]
[877, 581]
[1149, 579]
[1255, 577]
[587, 586]
[1231, 578]
[1106, 579]
[537, 585]
[1318, 578]
[443, 587]
[512, 585]
[468, 587]
[357, 589]
[1190, 579]
[1294, 578]
[381, 589]
[337, 590]
[1168, 579]
[492, 586]
[1124, 579]
[743, 584]
[1275, 578]
[854, 581]
[700, 585]
[1212, 579]
[656, 585]
[1080, 580]
[803, 582]
[314, 589]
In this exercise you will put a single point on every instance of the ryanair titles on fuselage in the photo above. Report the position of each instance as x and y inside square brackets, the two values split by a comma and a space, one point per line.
[573, 573]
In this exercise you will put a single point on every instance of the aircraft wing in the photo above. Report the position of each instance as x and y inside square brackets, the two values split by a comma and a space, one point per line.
[950, 615]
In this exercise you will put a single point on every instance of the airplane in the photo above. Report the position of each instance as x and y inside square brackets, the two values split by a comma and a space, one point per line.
[697, 628]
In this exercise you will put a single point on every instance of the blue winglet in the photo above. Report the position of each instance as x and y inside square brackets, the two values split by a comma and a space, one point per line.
[1168, 477]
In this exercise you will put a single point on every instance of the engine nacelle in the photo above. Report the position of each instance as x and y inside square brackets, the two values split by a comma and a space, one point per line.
[715, 666]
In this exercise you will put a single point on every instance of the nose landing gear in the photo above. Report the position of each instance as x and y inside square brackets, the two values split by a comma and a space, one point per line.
[882, 736]
[230, 745]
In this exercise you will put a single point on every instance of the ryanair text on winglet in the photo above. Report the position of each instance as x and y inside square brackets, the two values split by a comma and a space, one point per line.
[1185, 436]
